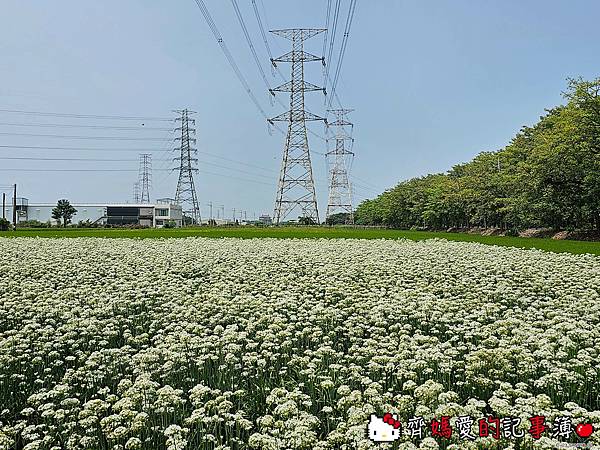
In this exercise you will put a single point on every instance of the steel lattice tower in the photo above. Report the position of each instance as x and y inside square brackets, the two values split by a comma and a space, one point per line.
[145, 177]
[296, 183]
[340, 192]
[186, 191]
[136, 192]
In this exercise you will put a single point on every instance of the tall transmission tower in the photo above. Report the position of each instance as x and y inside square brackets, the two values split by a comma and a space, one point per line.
[340, 192]
[145, 177]
[186, 191]
[136, 192]
[296, 183]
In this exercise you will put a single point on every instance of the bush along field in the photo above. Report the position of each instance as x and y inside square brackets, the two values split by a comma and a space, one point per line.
[291, 344]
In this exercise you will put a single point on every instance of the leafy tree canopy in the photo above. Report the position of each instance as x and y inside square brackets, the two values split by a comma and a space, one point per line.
[547, 176]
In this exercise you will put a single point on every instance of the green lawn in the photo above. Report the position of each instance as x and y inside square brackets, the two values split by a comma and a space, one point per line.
[312, 232]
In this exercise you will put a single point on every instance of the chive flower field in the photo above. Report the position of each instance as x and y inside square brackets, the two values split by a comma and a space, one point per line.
[288, 343]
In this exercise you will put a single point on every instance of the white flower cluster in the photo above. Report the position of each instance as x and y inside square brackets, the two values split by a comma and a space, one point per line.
[287, 344]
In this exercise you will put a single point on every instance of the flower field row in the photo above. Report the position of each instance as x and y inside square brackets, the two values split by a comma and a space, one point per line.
[288, 344]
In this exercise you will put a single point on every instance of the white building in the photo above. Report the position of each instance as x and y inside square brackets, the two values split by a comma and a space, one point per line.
[265, 219]
[150, 215]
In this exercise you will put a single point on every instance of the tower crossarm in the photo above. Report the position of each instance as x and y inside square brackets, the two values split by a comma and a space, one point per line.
[340, 123]
[289, 87]
[185, 158]
[186, 139]
[297, 56]
[298, 34]
[339, 152]
[297, 116]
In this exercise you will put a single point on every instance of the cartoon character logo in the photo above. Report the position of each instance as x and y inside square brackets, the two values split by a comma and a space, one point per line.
[386, 429]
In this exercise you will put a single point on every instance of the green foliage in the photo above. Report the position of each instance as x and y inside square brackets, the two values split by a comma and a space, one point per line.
[304, 221]
[338, 219]
[63, 211]
[34, 224]
[4, 225]
[548, 176]
[169, 224]
[87, 224]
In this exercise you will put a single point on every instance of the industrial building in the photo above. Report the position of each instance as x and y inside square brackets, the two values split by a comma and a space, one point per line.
[149, 215]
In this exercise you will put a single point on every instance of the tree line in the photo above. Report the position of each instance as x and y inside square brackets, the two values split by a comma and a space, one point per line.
[547, 176]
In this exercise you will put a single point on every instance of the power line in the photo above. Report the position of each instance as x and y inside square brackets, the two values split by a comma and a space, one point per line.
[213, 27]
[332, 41]
[83, 149]
[103, 127]
[262, 29]
[264, 36]
[25, 158]
[239, 170]
[67, 170]
[227, 53]
[326, 78]
[238, 13]
[86, 116]
[349, 19]
[127, 170]
[23, 147]
[108, 138]
[325, 36]
[367, 183]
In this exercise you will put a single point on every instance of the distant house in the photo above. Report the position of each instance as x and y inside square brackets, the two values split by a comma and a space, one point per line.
[143, 214]
[265, 219]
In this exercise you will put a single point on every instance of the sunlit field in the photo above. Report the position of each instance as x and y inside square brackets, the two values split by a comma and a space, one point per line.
[196, 343]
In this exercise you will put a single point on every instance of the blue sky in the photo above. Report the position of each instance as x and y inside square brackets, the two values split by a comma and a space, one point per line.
[432, 84]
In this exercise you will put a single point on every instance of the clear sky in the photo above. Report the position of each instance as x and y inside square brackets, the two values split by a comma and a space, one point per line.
[432, 83]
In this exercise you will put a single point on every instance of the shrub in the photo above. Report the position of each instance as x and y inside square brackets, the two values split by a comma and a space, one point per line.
[5, 225]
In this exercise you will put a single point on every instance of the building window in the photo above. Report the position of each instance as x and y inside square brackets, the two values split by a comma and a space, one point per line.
[162, 212]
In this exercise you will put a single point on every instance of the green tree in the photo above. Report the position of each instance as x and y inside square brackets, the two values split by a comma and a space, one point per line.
[338, 219]
[4, 224]
[63, 211]
[303, 220]
[547, 176]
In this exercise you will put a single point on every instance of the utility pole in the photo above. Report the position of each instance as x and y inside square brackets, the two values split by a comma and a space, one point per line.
[145, 177]
[15, 206]
[233, 215]
[186, 191]
[340, 192]
[222, 208]
[136, 193]
[296, 183]
[4, 205]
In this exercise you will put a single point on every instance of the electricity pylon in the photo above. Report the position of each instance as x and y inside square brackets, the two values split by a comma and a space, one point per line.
[145, 177]
[296, 183]
[340, 191]
[136, 193]
[186, 191]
